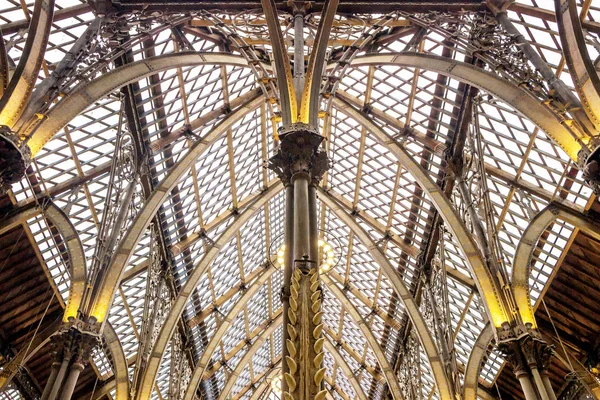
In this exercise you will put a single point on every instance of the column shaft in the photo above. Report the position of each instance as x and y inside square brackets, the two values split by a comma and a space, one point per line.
[298, 57]
[51, 379]
[548, 386]
[301, 216]
[301, 162]
[287, 270]
[313, 223]
[541, 388]
[527, 386]
[59, 378]
[71, 381]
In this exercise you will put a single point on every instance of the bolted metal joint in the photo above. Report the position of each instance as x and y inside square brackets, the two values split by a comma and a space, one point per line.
[498, 6]
[15, 157]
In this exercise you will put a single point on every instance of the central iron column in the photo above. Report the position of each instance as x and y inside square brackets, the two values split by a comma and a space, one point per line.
[300, 164]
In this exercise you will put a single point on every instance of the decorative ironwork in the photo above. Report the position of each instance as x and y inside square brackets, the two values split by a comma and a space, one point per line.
[524, 348]
[181, 370]
[305, 337]
[591, 167]
[123, 198]
[575, 389]
[479, 35]
[157, 304]
[410, 373]
[299, 153]
[14, 159]
[435, 306]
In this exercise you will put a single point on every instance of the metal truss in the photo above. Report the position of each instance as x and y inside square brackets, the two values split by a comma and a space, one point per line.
[208, 122]
[355, 315]
[488, 287]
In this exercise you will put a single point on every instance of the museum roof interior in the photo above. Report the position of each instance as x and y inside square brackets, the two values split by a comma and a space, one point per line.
[260, 199]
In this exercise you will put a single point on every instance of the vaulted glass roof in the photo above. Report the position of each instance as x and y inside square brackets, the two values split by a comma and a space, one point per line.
[514, 170]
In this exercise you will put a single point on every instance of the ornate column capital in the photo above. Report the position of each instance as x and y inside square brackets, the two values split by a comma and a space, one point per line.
[589, 163]
[511, 350]
[299, 153]
[61, 346]
[15, 157]
[73, 344]
[82, 347]
[523, 348]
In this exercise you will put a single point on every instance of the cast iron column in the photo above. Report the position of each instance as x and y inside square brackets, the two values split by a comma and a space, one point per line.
[51, 379]
[73, 347]
[62, 347]
[300, 164]
[82, 345]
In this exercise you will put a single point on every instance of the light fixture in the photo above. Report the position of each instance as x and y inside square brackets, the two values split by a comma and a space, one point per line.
[326, 256]
[276, 384]
[280, 255]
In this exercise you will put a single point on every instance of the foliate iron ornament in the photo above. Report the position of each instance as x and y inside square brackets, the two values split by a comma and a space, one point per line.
[82, 346]
[512, 353]
[523, 348]
[305, 337]
[181, 370]
[74, 343]
[299, 152]
[157, 304]
[480, 36]
[590, 165]
[576, 389]
[410, 372]
[15, 157]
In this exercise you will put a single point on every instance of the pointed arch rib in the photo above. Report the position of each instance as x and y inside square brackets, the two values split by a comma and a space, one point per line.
[238, 307]
[527, 244]
[85, 95]
[247, 358]
[486, 283]
[69, 235]
[519, 98]
[309, 107]
[23, 80]
[348, 373]
[383, 362]
[78, 270]
[285, 81]
[582, 70]
[178, 305]
[121, 374]
[76, 255]
[105, 290]
[443, 384]
[479, 352]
